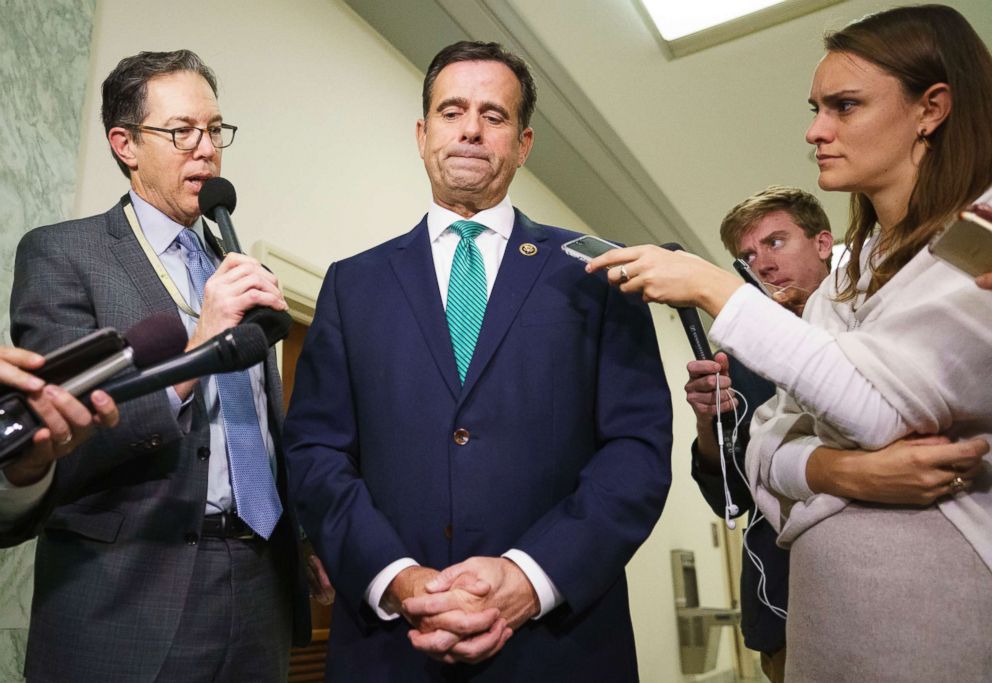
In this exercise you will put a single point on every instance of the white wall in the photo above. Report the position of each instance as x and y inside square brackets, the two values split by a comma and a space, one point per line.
[326, 165]
[325, 161]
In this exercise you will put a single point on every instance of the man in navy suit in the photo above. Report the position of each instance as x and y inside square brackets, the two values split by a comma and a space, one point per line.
[480, 432]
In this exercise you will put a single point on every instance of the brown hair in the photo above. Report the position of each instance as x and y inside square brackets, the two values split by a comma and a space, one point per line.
[804, 208]
[125, 90]
[922, 46]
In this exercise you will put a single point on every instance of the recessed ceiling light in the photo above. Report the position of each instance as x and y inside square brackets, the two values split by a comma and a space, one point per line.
[678, 19]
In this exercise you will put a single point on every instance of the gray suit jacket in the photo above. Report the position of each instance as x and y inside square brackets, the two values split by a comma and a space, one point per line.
[119, 526]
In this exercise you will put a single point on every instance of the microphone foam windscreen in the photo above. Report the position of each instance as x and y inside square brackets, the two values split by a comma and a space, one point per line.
[157, 338]
[250, 345]
[275, 324]
[217, 192]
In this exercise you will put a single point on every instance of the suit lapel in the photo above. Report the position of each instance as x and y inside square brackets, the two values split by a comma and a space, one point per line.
[414, 268]
[134, 262]
[517, 274]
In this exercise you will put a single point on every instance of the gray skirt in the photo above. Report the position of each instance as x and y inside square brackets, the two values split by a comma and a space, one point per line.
[882, 594]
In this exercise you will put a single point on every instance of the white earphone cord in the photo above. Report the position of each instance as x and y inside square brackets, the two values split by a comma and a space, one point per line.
[732, 509]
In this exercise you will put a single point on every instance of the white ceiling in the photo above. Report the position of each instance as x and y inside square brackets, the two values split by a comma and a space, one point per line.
[645, 148]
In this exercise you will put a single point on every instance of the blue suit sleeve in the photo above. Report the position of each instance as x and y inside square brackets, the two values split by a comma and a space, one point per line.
[586, 540]
[353, 539]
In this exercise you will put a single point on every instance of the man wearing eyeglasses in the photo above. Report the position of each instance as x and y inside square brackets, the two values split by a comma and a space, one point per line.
[167, 548]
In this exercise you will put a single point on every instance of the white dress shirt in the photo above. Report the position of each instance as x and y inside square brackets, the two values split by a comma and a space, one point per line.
[492, 245]
[161, 232]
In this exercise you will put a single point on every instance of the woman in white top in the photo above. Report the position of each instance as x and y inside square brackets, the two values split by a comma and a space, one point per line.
[896, 346]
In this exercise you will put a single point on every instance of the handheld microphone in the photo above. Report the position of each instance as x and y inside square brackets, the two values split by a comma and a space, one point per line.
[217, 200]
[693, 327]
[690, 321]
[236, 348]
[149, 341]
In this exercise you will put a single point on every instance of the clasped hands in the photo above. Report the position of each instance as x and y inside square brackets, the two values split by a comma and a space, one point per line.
[465, 613]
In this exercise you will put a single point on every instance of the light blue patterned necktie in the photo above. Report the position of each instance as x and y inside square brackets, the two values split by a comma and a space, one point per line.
[255, 495]
[466, 294]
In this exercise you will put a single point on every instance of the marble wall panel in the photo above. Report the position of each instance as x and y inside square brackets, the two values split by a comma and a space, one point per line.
[44, 63]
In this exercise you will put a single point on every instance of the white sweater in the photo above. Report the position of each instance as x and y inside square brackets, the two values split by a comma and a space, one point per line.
[913, 358]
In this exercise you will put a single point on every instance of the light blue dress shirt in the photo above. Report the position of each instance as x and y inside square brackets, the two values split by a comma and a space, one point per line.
[161, 232]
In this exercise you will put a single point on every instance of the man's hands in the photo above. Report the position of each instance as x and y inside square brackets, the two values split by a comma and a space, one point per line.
[911, 471]
[240, 284]
[793, 298]
[467, 612]
[67, 421]
[700, 394]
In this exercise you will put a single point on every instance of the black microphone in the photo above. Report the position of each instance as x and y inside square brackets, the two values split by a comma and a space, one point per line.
[217, 200]
[690, 321]
[236, 348]
[149, 341]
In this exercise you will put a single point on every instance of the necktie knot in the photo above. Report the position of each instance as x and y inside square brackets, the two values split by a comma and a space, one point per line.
[189, 241]
[467, 229]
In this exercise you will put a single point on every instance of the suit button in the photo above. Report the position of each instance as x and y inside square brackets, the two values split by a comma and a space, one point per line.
[191, 538]
[461, 436]
[203, 452]
[155, 441]
[448, 532]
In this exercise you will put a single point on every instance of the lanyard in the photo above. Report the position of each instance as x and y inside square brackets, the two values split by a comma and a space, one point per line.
[155, 261]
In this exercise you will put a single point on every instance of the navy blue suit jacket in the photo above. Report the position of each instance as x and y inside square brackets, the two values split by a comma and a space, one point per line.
[568, 456]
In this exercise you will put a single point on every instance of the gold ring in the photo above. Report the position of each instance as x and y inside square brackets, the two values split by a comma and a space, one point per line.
[957, 484]
[623, 273]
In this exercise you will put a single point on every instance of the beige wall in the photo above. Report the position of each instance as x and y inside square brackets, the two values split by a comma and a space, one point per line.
[325, 165]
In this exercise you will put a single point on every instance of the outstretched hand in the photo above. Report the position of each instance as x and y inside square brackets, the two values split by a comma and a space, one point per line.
[676, 278]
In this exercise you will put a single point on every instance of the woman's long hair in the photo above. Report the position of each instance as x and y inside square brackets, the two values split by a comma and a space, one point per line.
[922, 46]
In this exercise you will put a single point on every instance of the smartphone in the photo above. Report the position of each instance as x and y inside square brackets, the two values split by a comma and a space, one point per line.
[744, 270]
[966, 244]
[587, 247]
[73, 358]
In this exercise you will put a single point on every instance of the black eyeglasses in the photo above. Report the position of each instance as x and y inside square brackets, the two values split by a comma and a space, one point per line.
[187, 138]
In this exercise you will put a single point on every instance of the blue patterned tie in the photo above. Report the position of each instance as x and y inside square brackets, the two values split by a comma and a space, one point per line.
[466, 294]
[255, 495]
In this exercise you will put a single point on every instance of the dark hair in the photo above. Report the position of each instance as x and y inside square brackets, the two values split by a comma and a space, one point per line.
[476, 51]
[922, 46]
[804, 209]
[125, 90]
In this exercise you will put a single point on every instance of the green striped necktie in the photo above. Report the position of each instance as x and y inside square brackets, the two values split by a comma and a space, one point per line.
[466, 294]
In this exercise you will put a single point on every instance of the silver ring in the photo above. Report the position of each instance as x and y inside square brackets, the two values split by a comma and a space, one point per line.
[65, 441]
[623, 273]
[958, 484]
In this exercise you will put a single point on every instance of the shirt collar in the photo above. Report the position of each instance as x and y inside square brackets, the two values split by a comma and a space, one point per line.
[160, 230]
[497, 218]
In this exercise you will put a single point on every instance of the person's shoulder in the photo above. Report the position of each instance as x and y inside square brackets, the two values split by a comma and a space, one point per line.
[553, 233]
[82, 230]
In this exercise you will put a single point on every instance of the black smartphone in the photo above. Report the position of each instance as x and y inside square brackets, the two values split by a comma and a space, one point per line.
[744, 270]
[73, 358]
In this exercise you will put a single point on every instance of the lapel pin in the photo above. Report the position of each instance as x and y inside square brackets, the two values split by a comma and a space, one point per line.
[528, 249]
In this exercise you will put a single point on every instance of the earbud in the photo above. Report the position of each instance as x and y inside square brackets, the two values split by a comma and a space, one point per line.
[732, 510]
[731, 524]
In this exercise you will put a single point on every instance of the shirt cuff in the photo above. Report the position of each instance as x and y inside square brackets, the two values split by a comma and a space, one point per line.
[183, 416]
[547, 594]
[378, 586]
[788, 469]
[17, 501]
